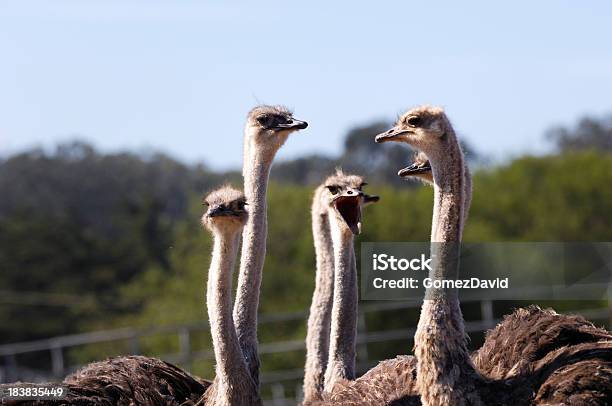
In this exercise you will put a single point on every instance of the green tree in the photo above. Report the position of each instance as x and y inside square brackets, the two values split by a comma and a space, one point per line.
[589, 133]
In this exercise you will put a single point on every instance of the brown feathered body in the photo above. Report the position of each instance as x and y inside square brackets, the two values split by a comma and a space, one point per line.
[129, 381]
[582, 383]
[576, 374]
[391, 382]
[527, 335]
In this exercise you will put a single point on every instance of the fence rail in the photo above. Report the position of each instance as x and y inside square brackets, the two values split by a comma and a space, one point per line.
[277, 383]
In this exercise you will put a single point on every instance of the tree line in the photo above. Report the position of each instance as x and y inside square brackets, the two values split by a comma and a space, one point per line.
[91, 240]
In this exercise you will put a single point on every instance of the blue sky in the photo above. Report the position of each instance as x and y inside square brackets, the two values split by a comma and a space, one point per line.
[179, 76]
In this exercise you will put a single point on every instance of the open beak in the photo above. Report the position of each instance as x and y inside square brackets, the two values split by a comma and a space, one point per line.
[349, 207]
[390, 135]
[415, 169]
[292, 124]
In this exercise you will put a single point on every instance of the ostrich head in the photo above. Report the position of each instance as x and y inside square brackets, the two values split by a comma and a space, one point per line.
[267, 127]
[345, 197]
[226, 210]
[420, 169]
[425, 128]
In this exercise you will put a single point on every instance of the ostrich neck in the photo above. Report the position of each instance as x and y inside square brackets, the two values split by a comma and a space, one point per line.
[256, 172]
[317, 336]
[231, 369]
[467, 197]
[341, 364]
[445, 374]
[449, 197]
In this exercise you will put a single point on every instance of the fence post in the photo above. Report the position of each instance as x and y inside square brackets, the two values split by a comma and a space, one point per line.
[486, 308]
[135, 345]
[185, 348]
[11, 373]
[299, 392]
[609, 304]
[278, 394]
[57, 361]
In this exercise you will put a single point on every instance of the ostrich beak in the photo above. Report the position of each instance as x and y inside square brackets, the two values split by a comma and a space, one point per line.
[369, 199]
[218, 211]
[417, 168]
[390, 135]
[292, 124]
[348, 205]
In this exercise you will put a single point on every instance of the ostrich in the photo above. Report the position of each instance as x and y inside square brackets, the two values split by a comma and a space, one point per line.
[346, 197]
[528, 333]
[150, 381]
[445, 374]
[317, 334]
[327, 202]
[266, 130]
[225, 219]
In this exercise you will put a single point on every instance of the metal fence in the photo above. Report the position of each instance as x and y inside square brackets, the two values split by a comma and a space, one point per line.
[282, 387]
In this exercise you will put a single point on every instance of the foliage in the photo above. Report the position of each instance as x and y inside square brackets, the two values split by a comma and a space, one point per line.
[589, 133]
[531, 199]
[75, 225]
[90, 240]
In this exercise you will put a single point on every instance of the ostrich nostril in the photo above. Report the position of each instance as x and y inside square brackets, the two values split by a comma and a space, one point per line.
[390, 131]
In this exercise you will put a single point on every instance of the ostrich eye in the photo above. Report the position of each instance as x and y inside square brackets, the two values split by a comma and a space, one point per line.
[263, 120]
[333, 189]
[413, 121]
[241, 204]
[280, 120]
[205, 203]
